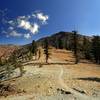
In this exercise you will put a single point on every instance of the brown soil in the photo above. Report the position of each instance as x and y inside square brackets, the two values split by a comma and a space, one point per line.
[43, 83]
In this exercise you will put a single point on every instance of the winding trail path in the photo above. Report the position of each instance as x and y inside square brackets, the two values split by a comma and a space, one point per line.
[66, 88]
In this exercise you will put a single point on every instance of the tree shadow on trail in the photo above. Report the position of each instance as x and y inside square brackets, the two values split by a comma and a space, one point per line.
[96, 79]
[9, 79]
[47, 64]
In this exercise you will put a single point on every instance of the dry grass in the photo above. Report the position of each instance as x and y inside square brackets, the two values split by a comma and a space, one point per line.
[44, 80]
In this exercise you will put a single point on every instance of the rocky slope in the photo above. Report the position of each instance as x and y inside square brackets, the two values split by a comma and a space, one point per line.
[6, 50]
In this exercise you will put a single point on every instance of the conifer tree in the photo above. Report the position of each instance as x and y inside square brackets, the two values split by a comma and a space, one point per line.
[75, 46]
[46, 50]
[34, 48]
[39, 54]
[86, 48]
[60, 43]
[96, 48]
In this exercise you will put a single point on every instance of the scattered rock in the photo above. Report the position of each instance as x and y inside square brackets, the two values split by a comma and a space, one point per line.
[50, 87]
[38, 86]
[8, 89]
[39, 77]
[19, 91]
[40, 65]
[63, 91]
[24, 91]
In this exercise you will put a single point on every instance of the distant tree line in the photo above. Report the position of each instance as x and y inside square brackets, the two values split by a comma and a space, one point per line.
[89, 49]
[83, 47]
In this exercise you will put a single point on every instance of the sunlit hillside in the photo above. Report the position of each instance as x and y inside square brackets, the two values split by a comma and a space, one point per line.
[59, 79]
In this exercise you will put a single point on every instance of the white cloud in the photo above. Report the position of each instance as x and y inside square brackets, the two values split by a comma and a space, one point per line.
[28, 26]
[11, 28]
[35, 28]
[28, 17]
[15, 34]
[28, 22]
[25, 24]
[22, 17]
[33, 15]
[42, 17]
[4, 32]
[27, 36]
[10, 22]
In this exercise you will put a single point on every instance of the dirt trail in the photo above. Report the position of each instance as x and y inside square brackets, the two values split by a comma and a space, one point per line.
[66, 88]
[42, 83]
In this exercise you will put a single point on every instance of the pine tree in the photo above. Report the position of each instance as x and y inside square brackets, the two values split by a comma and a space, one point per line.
[34, 48]
[60, 43]
[14, 63]
[66, 43]
[56, 43]
[39, 54]
[96, 48]
[46, 50]
[86, 48]
[75, 46]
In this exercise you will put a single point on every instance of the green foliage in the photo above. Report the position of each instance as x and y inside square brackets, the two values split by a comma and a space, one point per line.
[10, 65]
[60, 43]
[56, 43]
[13, 58]
[86, 48]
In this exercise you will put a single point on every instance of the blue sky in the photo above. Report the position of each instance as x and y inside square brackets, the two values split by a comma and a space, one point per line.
[21, 21]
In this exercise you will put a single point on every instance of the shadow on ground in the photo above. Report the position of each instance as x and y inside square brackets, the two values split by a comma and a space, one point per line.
[48, 64]
[96, 79]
